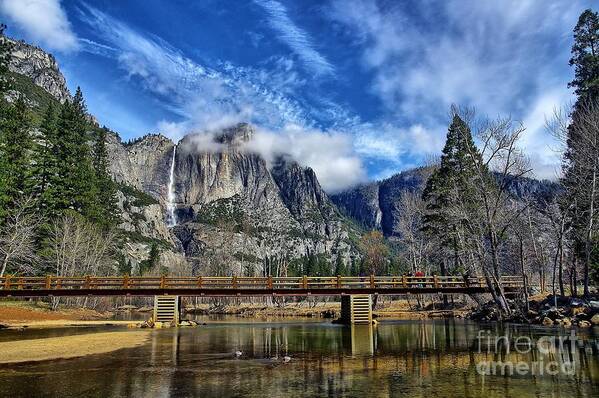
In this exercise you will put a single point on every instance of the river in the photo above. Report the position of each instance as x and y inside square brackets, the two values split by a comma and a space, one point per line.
[444, 358]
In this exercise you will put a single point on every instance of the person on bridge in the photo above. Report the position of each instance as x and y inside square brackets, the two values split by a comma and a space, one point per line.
[419, 274]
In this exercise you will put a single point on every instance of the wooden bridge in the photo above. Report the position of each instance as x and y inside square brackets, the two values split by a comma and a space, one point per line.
[231, 286]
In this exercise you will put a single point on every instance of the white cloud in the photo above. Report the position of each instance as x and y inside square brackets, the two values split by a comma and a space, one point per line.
[329, 154]
[504, 58]
[209, 98]
[206, 97]
[296, 38]
[394, 144]
[543, 150]
[43, 21]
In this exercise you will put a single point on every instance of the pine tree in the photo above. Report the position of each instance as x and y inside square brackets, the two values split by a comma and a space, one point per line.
[311, 265]
[106, 199]
[585, 56]
[581, 168]
[340, 268]
[152, 261]
[73, 186]
[451, 184]
[45, 160]
[15, 154]
[5, 55]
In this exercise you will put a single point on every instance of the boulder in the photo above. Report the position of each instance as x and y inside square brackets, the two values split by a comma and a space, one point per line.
[578, 310]
[584, 324]
[547, 321]
[552, 313]
[595, 320]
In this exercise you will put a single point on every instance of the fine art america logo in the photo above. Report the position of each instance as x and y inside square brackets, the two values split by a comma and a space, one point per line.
[524, 355]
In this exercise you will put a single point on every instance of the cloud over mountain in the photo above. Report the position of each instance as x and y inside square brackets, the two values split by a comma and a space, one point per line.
[43, 21]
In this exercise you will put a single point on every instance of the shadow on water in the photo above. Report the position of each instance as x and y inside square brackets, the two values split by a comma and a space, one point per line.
[412, 358]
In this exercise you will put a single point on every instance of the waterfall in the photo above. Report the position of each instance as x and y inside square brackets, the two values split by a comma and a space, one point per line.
[171, 217]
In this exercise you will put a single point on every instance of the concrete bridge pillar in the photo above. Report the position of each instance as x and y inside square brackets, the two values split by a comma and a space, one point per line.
[166, 309]
[356, 309]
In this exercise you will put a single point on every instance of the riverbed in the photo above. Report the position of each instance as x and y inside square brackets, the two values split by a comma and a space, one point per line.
[445, 358]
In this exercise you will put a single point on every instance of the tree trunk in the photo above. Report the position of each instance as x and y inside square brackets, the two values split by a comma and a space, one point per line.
[574, 277]
[589, 238]
[536, 253]
[443, 273]
[524, 277]
[496, 271]
[561, 271]
[4, 265]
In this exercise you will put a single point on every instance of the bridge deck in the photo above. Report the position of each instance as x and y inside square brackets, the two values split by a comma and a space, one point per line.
[25, 286]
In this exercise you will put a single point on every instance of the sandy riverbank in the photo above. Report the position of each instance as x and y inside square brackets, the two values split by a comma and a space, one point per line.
[69, 346]
[38, 314]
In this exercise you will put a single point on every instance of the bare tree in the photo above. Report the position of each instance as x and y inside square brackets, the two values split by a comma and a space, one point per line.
[416, 244]
[580, 137]
[489, 219]
[78, 247]
[17, 238]
[375, 250]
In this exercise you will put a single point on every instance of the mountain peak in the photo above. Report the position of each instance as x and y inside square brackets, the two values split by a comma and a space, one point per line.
[235, 135]
[39, 66]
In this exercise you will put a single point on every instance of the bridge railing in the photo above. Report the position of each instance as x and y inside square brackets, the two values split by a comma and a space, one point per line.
[242, 282]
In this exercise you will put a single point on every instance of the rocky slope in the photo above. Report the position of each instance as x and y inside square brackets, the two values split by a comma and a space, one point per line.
[235, 213]
[231, 208]
[40, 67]
[374, 205]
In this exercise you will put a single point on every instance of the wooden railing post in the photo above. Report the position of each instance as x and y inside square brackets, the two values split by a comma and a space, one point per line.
[371, 281]
[305, 282]
[269, 282]
[48, 282]
[234, 282]
[163, 282]
[436, 281]
[404, 281]
[199, 282]
[7, 282]
[338, 281]
[126, 282]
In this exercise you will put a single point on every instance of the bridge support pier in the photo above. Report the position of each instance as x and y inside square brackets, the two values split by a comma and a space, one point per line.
[166, 309]
[356, 309]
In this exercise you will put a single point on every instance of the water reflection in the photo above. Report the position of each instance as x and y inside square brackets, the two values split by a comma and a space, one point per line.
[413, 358]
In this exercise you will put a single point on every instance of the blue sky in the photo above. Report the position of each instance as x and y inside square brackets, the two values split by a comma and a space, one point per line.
[355, 89]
